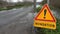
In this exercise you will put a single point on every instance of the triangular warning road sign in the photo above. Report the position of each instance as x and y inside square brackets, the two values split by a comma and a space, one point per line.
[45, 14]
[45, 18]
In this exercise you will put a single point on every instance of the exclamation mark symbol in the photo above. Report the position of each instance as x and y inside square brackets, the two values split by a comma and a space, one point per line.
[45, 13]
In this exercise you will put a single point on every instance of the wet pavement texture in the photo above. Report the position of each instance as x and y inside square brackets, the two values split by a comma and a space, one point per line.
[22, 25]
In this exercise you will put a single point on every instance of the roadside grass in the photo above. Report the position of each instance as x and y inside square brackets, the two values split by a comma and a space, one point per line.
[11, 7]
[16, 6]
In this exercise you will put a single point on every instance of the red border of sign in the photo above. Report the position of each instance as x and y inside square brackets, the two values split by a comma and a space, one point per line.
[48, 17]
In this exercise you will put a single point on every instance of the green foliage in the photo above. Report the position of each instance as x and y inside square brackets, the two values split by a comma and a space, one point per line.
[2, 9]
[44, 2]
[39, 8]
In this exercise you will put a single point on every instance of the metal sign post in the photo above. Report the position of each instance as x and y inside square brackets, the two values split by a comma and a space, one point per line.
[34, 5]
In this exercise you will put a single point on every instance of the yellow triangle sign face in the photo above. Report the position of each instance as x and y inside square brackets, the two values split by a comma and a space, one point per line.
[45, 19]
[45, 14]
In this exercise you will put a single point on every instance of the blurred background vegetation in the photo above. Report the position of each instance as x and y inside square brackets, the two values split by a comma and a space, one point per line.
[10, 5]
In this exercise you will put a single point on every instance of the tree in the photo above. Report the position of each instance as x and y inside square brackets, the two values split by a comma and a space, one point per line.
[44, 2]
[2, 3]
[55, 3]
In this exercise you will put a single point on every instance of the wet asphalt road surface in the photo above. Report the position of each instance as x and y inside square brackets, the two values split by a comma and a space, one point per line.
[19, 21]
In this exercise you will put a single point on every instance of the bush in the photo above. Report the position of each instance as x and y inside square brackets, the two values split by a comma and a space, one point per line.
[39, 8]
